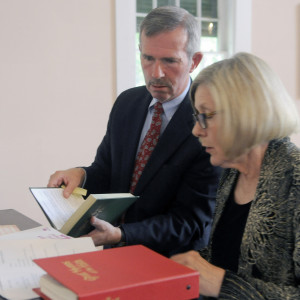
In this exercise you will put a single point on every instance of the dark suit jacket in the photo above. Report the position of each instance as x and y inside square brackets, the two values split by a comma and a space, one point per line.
[177, 187]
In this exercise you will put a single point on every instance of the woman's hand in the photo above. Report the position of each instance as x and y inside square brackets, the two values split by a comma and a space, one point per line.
[211, 277]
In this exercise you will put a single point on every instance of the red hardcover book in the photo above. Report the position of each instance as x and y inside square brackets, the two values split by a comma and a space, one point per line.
[132, 272]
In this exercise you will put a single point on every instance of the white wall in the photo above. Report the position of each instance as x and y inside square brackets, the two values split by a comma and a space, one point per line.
[56, 91]
[276, 38]
[57, 83]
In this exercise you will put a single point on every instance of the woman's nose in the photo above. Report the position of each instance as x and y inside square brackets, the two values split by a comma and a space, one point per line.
[198, 131]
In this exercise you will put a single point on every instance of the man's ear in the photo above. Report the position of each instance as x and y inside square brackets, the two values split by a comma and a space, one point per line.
[197, 57]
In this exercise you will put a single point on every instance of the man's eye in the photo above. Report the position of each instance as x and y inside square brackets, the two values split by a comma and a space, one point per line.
[148, 58]
[169, 60]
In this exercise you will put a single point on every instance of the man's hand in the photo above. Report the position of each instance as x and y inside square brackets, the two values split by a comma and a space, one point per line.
[104, 233]
[71, 178]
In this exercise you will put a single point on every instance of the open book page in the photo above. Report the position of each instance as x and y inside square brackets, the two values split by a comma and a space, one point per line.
[19, 274]
[53, 203]
[40, 232]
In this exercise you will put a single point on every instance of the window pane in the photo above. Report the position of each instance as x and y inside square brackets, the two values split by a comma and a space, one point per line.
[143, 6]
[165, 2]
[190, 6]
[208, 59]
[138, 23]
[210, 29]
[139, 77]
[209, 44]
[209, 8]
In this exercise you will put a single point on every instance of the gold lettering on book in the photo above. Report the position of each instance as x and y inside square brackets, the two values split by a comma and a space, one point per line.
[81, 268]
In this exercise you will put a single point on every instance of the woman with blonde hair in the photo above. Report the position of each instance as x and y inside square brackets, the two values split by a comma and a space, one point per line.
[243, 118]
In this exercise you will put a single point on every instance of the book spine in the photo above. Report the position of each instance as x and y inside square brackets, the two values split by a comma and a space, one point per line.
[180, 288]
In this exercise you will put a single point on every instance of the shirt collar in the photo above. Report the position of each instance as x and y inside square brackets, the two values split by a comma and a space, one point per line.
[171, 106]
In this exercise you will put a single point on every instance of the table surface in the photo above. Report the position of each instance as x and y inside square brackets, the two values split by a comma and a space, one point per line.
[13, 217]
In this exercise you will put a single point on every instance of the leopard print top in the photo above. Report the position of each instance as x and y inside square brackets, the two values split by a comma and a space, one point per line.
[269, 262]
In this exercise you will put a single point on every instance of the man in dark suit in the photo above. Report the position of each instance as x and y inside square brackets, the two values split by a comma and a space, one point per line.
[177, 185]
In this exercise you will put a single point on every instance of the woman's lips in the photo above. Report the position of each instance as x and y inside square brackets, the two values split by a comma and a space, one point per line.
[208, 149]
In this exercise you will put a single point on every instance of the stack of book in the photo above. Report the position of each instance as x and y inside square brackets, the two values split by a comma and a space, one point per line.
[132, 272]
[50, 263]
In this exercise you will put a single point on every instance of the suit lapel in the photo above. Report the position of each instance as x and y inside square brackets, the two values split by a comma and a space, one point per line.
[132, 136]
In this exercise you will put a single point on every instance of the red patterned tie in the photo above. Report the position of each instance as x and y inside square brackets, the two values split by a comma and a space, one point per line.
[148, 145]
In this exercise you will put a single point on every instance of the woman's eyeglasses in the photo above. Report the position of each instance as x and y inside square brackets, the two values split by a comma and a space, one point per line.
[202, 118]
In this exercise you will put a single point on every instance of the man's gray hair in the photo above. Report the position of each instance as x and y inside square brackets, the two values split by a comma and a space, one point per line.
[168, 18]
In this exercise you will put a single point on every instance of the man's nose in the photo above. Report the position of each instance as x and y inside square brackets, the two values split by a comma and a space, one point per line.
[157, 71]
[198, 131]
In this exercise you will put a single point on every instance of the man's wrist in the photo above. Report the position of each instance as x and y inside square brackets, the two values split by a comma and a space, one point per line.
[83, 177]
[122, 241]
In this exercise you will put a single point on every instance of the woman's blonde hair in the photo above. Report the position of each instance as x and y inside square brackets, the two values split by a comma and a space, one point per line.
[253, 105]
